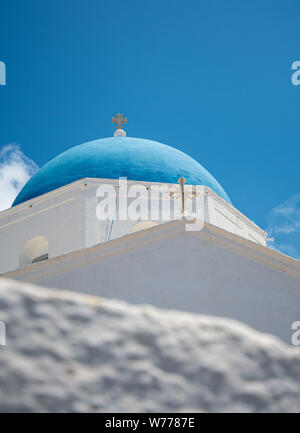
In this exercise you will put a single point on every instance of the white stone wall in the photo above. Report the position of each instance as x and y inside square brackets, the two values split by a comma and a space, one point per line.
[225, 216]
[59, 217]
[67, 219]
[210, 272]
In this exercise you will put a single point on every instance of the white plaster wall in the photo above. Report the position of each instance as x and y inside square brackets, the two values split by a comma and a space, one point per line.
[216, 212]
[225, 216]
[59, 218]
[186, 272]
[67, 218]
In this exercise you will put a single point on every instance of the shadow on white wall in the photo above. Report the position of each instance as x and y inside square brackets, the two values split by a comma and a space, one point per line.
[143, 225]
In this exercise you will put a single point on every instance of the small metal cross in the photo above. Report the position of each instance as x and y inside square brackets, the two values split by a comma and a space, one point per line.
[119, 120]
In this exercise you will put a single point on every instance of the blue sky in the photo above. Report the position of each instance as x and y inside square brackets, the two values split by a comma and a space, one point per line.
[212, 78]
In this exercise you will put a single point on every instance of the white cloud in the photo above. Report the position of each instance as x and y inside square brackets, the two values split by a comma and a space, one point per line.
[15, 169]
[284, 226]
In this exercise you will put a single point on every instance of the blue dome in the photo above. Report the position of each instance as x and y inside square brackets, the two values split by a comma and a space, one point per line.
[110, 158]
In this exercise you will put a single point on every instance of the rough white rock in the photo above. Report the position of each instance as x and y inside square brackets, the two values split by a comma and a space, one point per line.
[67, 352]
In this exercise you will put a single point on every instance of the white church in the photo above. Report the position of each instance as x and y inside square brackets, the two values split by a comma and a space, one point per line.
[213, 261]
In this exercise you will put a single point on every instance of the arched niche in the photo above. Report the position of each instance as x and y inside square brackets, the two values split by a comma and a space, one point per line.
[35, 250]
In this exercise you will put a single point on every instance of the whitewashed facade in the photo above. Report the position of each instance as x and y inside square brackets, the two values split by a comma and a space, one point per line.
[224, 269]
[212, 272]
[65, 220]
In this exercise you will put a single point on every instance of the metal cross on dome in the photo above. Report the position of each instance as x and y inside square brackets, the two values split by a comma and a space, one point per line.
[119, 120]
